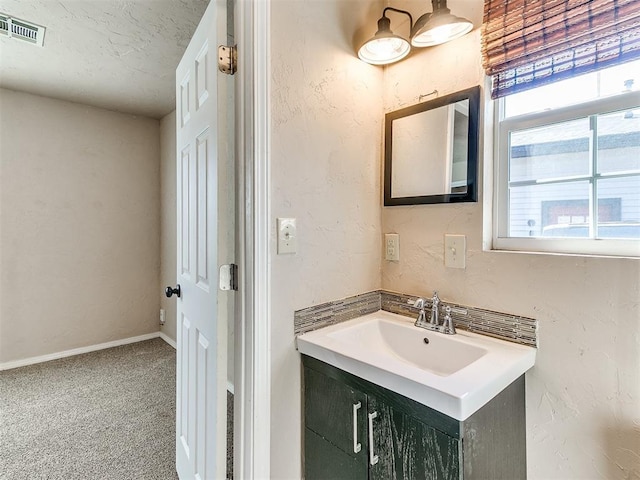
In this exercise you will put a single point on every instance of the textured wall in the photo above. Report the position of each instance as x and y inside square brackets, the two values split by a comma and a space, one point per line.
[583, 395]
[79, 225]
[114, 54]
[326, 121]
[168, 227]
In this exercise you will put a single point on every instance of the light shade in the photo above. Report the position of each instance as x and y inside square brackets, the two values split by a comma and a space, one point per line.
[384, 47]
[438, 27]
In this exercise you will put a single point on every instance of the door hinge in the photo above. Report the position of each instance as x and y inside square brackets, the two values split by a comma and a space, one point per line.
[229, 277]
[227, 59]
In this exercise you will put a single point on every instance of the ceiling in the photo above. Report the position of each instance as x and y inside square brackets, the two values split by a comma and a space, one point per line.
[116, 54]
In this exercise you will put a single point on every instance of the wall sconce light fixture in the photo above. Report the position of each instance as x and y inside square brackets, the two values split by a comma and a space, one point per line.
[430, 29]
[385, 46]
[439, 26]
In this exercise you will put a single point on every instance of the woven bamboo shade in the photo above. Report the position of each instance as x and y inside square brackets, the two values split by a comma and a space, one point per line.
[528, 43]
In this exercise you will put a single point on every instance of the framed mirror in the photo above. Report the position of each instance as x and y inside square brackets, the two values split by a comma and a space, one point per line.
[431, 151]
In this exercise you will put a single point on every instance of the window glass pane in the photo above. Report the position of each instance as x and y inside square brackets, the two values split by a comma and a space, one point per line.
[552, 210]
[573, 91]
[619, 142]
[555, 95]
[619, 207]
[619, 79]
[554, 151]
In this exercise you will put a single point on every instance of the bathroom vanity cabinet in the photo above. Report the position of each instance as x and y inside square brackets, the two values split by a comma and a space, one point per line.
[354, 429]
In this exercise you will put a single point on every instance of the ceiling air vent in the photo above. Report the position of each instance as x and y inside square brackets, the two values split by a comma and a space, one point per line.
[21, 30]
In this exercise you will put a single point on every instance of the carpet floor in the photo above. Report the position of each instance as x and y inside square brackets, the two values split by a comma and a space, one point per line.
[103, 415]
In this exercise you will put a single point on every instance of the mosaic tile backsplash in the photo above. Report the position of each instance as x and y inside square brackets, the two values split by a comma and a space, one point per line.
[338, 311]
[513, 328]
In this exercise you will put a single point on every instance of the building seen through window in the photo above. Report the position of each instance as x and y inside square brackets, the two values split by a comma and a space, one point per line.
[574, 170]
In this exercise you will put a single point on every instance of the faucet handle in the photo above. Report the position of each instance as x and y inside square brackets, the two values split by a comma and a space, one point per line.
[447, 324]
[418, 302]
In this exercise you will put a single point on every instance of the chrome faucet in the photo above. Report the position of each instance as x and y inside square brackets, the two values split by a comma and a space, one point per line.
[435, 305]
[447, 324]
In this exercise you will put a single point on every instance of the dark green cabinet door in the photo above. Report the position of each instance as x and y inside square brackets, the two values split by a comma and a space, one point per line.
[324, 461]
[331, 411]
[407, 448]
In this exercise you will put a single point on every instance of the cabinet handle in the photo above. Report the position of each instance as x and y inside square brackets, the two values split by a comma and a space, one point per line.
[373, 459]
[357, 446]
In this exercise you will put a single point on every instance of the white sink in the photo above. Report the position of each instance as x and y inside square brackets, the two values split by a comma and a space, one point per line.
[440, 354]
[454, 374]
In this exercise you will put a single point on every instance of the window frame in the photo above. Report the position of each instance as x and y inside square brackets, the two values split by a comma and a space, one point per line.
[502, 127]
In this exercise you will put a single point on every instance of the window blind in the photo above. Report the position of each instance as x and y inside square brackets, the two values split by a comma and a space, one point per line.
[528, 43]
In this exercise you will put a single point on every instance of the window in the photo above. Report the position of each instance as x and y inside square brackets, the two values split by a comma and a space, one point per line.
[568, 165]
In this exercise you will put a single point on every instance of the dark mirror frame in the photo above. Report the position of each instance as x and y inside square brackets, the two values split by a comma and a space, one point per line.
[471, 195]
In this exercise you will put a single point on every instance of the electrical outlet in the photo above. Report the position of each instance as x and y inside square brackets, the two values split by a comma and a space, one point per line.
[162, 316]
[455, 251]
[392, 247]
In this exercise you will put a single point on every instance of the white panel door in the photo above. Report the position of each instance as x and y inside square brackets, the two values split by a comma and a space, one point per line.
[205, 240]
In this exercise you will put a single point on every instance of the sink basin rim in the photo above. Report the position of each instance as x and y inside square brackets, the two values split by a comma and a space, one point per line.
[458, 395]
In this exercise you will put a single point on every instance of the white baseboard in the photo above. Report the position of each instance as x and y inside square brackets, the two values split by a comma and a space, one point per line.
[77, 351]
[168, 339]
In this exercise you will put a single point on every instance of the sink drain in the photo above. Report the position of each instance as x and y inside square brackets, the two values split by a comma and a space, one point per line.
[425, 340]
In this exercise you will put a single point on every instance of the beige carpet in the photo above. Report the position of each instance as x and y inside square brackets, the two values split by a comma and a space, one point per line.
[103, 415]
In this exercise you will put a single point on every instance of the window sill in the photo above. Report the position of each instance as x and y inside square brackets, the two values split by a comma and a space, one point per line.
[569, 247]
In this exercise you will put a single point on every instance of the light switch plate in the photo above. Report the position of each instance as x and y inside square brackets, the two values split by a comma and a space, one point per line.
[455, 247]
[392, 247]
[287, 236]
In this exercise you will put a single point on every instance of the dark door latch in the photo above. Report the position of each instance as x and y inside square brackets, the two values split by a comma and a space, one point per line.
[169, 291]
